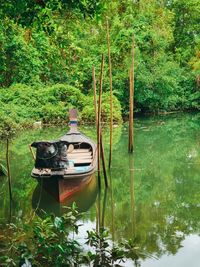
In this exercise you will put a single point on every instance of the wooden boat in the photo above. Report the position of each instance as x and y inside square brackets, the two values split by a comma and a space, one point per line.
[64, 165]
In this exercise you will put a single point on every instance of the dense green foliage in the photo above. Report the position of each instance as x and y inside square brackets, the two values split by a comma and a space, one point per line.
[47, 241]
[45, 42]
[21, 105]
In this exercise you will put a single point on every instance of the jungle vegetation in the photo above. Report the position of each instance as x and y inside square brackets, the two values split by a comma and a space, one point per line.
[48, 48]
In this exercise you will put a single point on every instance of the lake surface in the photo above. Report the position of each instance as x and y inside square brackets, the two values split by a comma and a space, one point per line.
[153, 197]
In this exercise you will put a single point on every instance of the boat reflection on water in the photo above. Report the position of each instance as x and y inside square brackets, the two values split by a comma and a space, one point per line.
[84, 197]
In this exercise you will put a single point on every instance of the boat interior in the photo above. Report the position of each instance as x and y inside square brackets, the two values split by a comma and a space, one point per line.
[76, 156]
[79, 154]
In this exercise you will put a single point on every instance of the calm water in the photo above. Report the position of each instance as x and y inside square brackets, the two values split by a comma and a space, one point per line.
[154, 194]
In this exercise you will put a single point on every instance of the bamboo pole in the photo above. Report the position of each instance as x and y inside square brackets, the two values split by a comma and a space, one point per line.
[98, 223]
[8, 169]
[97, 217]
[99, 118]
[100, 149]
[96, 122]
[95, 93]
[103, 161]
[111, 95]
[104, 209]
[130, 140]
[112, 209]
[131, 102]
[132, 194]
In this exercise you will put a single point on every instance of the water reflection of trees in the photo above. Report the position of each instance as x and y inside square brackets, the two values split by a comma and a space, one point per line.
[164, 206]
[157, 204]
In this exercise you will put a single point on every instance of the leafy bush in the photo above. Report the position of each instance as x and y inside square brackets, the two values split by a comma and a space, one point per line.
[47, 241]
[29, 55]
[42, 241]
[21, 105]
[88, 113]
[51, 113]
[8, 127]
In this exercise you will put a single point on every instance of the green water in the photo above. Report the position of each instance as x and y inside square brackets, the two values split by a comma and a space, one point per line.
[153, 197]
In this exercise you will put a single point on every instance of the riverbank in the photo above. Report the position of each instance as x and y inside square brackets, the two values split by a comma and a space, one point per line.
[22, 105]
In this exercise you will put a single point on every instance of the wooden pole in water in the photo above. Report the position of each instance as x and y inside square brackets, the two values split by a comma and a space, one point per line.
[103, 161]
[132, 194]
[111, 97]
[98, 212]
[96, 119]
[100, 149]
[112, 209]
[104, 209]
[95, 94]
[99, 118]
[8, 169]
[131, 102]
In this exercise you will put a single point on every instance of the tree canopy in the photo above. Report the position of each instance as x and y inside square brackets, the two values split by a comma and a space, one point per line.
[46, 42]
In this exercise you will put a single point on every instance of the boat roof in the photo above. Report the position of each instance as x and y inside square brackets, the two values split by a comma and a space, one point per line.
[76, 137]
[73, 135]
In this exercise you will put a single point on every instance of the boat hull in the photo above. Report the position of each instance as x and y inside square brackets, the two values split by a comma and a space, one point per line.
[64, 174]
[61, 188]
[61, 184]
